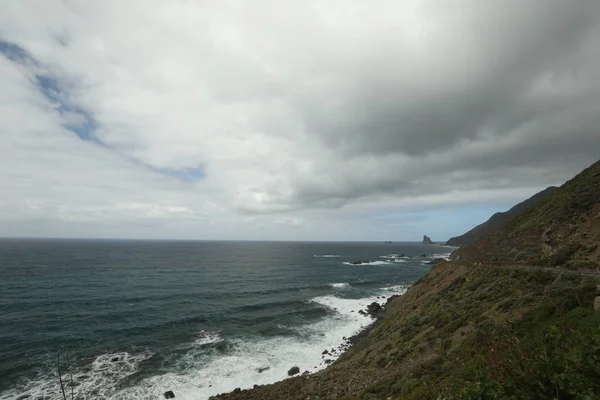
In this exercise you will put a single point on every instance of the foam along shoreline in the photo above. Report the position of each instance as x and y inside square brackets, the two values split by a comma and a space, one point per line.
[205, 371]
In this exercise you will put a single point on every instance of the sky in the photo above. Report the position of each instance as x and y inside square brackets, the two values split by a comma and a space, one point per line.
[289, 120]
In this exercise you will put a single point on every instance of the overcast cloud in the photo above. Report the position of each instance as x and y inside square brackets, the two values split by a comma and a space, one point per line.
[289, 119]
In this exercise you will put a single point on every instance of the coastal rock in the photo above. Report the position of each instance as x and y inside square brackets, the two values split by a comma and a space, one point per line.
[325, 352]
[114, 359]
[427, 240]
[358, 262]
[374, 309]
[293, 371]
[263, 369]
[169, 395]
[237, 390]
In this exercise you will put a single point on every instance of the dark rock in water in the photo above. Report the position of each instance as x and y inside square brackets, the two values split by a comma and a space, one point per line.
[374, 309]
[169, 395]
[423, 255]
[402, 255]
[293, 371]
[114, 359]
[263, 369]
[362, 312]
[83, 377]
[325, 352]
[358, 262]
[23, 397]
[328, 361]
[73, 384]
[427, 240]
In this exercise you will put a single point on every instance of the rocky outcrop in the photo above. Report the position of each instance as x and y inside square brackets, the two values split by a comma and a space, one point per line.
[169, 395]
[427, 240]
[374, 309]
[293, 371]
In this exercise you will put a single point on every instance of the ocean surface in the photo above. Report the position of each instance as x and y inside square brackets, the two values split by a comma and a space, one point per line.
[133, 319]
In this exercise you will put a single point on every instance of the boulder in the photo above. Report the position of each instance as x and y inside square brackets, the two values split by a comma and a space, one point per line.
[169, 395]
[374, 309]
[325, 352]
[293, 371]
[263, 369]
[114, 359]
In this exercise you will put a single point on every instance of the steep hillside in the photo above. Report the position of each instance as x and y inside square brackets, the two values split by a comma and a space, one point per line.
[467, 332]
[498, 219]
[516, 315]
[562, 229]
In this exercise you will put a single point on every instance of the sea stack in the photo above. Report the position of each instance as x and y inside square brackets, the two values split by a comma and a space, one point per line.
[427, 240]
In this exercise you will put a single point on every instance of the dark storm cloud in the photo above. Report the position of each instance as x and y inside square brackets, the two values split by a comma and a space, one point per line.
[511, 93]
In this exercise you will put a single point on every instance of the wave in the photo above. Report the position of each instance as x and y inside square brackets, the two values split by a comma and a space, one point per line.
[204, 371]
[368, 263]
[340, 285]
[205, 337]
[100, 379]
[325, 255]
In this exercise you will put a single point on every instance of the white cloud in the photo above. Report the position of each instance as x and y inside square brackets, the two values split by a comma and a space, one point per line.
[291, 110]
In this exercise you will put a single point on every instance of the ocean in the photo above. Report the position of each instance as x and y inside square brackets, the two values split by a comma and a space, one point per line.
[134, 319]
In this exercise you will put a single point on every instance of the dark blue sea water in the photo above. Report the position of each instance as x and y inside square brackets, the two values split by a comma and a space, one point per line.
[132, 319]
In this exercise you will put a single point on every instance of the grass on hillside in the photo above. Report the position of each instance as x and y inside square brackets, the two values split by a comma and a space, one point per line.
[488, 334]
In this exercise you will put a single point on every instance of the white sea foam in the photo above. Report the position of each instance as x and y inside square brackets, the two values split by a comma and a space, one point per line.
[340, 285]
[204, 373]
[99, 380]
[325, 255]
[396, 289]
[445, 256]
[205, 337]
[390, 256]
[369, 263]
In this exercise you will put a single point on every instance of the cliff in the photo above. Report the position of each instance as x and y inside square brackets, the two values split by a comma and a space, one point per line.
[561, 229]
[514, 316]
[498, 219]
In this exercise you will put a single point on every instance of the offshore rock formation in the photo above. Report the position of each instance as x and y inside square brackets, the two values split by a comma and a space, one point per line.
[427, 240]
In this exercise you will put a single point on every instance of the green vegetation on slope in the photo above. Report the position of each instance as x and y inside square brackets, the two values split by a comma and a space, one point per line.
[562, 229]
[465, 332]
[495, 323]
[498, 219]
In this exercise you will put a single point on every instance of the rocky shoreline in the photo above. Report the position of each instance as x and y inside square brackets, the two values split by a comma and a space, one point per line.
[375, 309]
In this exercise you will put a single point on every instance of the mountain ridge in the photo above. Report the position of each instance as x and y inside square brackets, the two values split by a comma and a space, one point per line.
[498, 219]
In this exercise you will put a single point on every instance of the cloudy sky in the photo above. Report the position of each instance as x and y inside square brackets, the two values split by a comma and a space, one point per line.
[294, 120]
